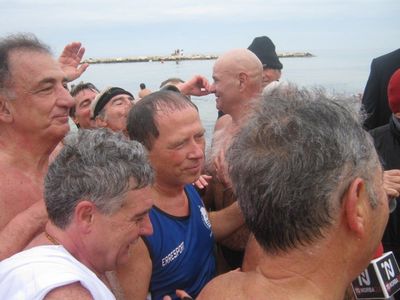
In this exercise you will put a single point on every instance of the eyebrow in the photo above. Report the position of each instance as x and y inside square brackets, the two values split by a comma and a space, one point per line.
[51, 80]
[138, 216]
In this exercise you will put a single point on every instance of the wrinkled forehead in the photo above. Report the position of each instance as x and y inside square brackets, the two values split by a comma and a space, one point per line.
[32, 64]
[178, 116]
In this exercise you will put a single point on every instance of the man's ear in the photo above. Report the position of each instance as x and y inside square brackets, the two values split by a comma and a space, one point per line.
[355, 201]
[84, 214]
[5, 110]
[243, 78]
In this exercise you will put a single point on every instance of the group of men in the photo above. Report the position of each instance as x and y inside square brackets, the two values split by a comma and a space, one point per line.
[306, 175]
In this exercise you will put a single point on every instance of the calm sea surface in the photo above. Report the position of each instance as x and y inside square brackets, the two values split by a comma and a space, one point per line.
[336, 71]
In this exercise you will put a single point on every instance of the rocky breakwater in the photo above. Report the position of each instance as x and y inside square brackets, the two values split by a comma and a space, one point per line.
[176, 58]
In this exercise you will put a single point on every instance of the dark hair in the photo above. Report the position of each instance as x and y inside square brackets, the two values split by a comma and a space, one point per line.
[142, 125]
[293, 160]
[142, 86]
[26, 42]
[171, 81]
[76, 89]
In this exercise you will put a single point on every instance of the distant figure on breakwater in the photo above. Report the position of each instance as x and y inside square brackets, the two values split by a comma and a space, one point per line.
[143, 91]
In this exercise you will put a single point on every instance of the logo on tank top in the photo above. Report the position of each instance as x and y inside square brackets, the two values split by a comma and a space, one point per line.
[204, 217]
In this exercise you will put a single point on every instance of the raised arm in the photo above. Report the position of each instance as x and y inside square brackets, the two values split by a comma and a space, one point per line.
[197, 86]
[134, 277]
[70, 60]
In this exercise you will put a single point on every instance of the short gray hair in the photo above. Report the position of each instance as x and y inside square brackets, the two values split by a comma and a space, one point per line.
[15, 42]
[292, 162]
[96, 165]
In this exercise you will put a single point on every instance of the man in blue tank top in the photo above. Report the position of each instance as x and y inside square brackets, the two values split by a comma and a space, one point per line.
[179, 255]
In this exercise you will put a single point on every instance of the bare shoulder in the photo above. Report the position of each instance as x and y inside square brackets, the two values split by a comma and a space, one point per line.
[217, 288]
[222, 123]
[73, 291]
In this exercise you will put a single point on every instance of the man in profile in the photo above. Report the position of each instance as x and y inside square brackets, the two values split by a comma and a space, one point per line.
[309, 183]
[97, 198]
[34, 107]
[237, 82]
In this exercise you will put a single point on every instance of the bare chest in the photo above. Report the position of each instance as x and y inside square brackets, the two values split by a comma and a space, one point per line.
[18, 191]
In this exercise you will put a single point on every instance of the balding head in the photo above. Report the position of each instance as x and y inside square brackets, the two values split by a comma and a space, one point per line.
[237, 78]
[240, 60]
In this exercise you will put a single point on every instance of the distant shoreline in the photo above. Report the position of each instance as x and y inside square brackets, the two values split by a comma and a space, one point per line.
[177, 58]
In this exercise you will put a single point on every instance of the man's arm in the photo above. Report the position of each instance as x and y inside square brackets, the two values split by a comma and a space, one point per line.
[226, 221]
[20, 230]
[73, 291]
[371, 97]
[134, 277]
[197, 86]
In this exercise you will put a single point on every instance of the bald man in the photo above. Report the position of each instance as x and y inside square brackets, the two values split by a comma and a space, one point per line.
[237, 77]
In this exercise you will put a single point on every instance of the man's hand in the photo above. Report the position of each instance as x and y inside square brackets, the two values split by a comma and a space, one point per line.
[391, 183]
[70, 60]
[202, 182]
[197, 86]
[181, 294]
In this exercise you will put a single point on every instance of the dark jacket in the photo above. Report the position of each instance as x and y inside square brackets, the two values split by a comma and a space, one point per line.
[374, 99]
[387, 144]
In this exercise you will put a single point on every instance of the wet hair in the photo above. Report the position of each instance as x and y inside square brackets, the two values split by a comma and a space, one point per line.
[292, 162]
[142, 125]
[11, 43]
[96, 165]
[171, 81]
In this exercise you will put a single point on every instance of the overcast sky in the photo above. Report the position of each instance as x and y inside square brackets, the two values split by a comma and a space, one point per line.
[136, 27]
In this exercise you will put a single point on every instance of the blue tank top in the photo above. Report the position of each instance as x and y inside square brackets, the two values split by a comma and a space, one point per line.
[181, 249]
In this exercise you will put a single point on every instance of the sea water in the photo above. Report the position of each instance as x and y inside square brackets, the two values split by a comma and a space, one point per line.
[338, 71]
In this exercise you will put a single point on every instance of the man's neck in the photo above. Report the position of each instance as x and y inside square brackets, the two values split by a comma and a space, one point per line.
[171, 199]
[26, 153]
[308, 272]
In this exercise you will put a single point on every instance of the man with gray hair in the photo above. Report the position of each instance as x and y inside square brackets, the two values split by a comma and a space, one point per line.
[110, 108]
[309, 183]
[34, 107]
[97, 198]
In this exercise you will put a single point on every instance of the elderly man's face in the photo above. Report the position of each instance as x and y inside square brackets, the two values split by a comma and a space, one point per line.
[177, 154]
[42, 102]
[82, 108]
[225, 86]
[116, 112]
[113, 235]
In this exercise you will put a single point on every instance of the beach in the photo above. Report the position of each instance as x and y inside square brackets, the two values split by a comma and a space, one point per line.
[338, 71]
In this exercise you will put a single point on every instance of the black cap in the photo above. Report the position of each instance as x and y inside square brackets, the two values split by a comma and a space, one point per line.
[264, 48]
